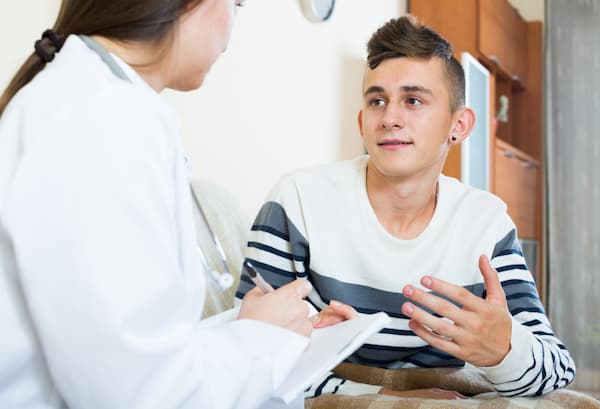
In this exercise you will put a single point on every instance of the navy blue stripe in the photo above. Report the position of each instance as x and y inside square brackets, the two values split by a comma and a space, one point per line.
[271, 269]
[515, 296]
[271, 230]
[373, 311]
[338, 387]
[524, 373]
[550, 376]
[516, 281]
[311, 302]
[275, 251]
[319, 390]
[246, 279]
[366, 310]
[558, 378]
[541, 374]
[511, 267]
[519, 391]
[508, 242]
[532, 323]
[381, 363]
[507, 252]
[397, 332]
[526, 309]
[446, 364]
[369, 300]
[438, 354]
[562, 366]
[374, 347]
[540, 391]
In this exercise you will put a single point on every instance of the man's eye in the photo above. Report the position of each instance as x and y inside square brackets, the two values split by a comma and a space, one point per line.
[377, 102]
[240, 3]
[414, 101]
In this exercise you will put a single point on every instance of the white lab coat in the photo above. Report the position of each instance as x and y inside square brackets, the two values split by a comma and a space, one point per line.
[101, 288]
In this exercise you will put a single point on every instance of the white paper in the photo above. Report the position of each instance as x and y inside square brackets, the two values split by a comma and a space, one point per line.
[328, 347]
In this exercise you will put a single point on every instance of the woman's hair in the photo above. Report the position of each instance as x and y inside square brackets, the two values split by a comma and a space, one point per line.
[122, 20]
[406, 37]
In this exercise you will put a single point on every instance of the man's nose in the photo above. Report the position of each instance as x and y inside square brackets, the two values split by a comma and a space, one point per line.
[393, 117]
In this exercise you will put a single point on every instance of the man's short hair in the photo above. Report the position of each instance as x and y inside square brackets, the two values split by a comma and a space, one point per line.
[407, 37]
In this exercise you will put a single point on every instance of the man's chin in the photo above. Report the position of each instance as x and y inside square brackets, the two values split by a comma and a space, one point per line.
[390, 170]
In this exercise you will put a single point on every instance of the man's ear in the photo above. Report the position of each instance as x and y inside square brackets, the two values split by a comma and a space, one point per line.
[464, 121]
[360, 123]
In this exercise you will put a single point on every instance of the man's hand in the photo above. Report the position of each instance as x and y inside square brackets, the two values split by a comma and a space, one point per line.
[479, 332]
[332, 314]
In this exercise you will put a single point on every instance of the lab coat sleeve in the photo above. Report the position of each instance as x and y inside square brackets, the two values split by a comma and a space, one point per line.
[91, 212]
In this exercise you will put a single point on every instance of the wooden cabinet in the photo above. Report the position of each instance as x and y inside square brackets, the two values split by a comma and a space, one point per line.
[516, 183]
[502, 38]
[511, 49]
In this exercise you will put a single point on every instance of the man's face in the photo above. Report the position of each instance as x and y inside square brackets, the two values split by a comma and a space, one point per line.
[405, 120]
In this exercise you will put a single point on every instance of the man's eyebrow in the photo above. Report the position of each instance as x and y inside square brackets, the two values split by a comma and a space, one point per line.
[376, 89]
[416, 88]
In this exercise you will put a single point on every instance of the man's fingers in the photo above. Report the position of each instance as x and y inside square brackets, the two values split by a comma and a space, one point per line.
[344, 310]
[439, 342]
[334, 313]
[439, 325]
[495, 292]
[436, 304]
[325, 319]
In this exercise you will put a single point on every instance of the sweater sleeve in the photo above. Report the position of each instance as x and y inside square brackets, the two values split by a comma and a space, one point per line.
[280, 250]
[538, 362]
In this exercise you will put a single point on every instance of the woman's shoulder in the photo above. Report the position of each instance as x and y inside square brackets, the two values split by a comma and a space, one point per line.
[78, 91]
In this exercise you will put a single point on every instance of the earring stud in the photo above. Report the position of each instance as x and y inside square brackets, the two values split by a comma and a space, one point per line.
[453, 138]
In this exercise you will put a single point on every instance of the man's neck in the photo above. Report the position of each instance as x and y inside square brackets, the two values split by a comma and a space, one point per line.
[404, 207]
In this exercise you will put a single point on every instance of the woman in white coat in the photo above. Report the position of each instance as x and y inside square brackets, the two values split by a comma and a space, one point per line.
[100, 286]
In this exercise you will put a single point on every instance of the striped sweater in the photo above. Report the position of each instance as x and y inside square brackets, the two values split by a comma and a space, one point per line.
[318, 225]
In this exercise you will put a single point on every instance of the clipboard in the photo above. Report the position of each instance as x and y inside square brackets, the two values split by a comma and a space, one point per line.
[328, 347]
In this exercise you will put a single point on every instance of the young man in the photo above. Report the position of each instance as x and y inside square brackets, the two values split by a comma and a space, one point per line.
[388, 232]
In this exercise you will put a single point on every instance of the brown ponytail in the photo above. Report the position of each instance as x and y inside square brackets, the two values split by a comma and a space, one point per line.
[123, 20]
[26, 73]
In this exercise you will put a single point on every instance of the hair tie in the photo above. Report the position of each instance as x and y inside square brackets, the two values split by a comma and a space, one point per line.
[47, 47]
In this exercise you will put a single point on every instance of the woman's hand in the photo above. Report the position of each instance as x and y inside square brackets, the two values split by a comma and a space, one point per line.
[283, 307]
[431, 393]
[332, 314]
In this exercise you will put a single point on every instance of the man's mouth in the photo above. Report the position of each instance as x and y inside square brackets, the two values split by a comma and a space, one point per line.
[393, 142]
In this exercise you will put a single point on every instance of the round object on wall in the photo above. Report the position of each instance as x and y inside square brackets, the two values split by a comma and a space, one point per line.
[317, 10]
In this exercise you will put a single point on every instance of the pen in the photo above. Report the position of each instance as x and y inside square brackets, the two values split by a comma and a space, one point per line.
[257, 278]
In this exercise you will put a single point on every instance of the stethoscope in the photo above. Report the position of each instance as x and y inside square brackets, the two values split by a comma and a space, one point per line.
[222, 279]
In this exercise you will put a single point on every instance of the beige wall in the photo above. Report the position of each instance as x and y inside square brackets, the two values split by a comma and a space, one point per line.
[530, 9]
[285, 94]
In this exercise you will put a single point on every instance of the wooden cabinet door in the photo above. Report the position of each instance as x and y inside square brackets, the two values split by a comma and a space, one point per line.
[516, 184]
[502, 37]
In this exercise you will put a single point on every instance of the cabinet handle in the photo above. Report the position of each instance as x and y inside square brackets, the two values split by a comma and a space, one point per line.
[508, 153]
[517, 79]
[528, 164]
[495, 60]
